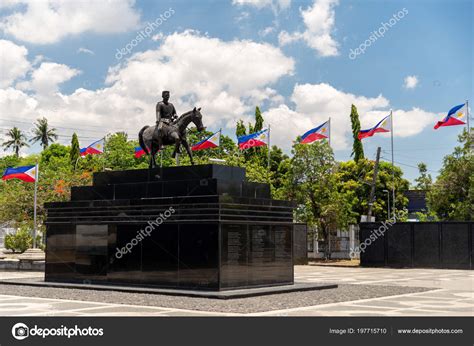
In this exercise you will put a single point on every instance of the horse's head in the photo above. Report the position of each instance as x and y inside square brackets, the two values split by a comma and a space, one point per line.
[197, 119]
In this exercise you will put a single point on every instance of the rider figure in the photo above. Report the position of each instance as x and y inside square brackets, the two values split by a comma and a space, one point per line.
[165, 113]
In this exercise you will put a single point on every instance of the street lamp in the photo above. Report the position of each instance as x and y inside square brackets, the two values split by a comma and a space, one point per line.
[388, 202]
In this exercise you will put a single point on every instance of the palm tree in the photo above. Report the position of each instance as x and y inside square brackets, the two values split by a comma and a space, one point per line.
[43, 133]
[17, 141]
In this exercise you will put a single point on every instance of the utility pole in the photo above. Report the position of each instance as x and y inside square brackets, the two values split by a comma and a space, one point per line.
[372, 189]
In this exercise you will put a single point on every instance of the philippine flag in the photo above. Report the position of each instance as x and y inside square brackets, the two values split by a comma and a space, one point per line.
[212, 141]
[384, 125]
[94, 148]
[25, 173]
[139, 152]
[256, 139]
[456, 116]
[320, 132]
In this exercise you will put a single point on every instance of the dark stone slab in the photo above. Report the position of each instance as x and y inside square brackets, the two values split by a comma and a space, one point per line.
[230, 294]
[426, 246]
[446, 244]
[192, 187]
[399, 245]
[455, 246]
[170, 174]
[374, 253]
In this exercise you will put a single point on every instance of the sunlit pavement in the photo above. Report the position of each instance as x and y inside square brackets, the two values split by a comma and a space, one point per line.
[451, 295]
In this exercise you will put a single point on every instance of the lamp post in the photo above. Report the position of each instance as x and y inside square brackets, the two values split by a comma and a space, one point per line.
[388, 203]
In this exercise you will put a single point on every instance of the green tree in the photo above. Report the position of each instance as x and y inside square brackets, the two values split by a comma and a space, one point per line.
[75, 150]
[357, 148]
[8, 161]
[279, 167]
[240, 129]
[451, 197]
[313, 185]
[354, 181]
[53, 153]
[16, 142]
[118, 153]
[43, 133]
[258, 120]
[424, 181]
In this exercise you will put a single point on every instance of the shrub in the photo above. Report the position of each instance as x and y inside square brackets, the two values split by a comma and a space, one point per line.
[19, 241]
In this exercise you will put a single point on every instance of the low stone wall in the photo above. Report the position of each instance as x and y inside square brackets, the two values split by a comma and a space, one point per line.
[15, 264]
[417, 244]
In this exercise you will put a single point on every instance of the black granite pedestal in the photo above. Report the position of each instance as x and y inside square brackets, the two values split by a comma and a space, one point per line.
[195, 227]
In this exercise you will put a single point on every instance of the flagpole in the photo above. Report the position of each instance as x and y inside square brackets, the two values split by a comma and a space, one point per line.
[329, 140]
[468, 127]
[35, 200]
[269, 147]
[393, 166]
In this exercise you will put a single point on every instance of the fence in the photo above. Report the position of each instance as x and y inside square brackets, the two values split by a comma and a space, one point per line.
[342, 244]
[417, 245]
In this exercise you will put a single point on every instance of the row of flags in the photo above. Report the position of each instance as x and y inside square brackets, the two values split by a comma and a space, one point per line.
[455, 116]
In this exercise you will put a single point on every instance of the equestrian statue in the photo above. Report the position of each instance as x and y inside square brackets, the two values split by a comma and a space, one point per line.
[169, 130]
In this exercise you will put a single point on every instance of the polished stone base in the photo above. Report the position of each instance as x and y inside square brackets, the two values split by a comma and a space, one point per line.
[194, 227]
[230, 294]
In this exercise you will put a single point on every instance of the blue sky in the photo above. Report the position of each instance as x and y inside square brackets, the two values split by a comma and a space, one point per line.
[298, 82]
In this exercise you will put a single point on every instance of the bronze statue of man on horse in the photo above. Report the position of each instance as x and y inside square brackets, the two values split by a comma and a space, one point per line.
[169, 129]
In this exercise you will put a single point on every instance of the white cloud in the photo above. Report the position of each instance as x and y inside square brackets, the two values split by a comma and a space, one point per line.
[46, 78]
[319, 20]
[227, 85]
[410, 82]
[49, 21]
[315, 103]
[85, 50]
[268, 30]
[275, 5]
[158, 36]
[13, 63]
[39, 58]
[244, 15]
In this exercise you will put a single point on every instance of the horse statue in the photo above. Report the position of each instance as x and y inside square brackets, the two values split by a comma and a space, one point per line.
[173, 134]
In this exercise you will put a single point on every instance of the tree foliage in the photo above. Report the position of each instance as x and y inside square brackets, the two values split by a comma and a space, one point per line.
[74, 151]
[357, 148]
[43, 133]
[313, 184]
[16, 141]
[424, 181]
[355, 179]
[451, 197]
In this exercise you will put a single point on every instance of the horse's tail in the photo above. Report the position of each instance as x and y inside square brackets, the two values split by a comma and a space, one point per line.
[141, 141]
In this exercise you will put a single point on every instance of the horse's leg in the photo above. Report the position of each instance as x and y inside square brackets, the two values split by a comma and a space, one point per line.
[177, 142]
[188, 150]
[153, 155]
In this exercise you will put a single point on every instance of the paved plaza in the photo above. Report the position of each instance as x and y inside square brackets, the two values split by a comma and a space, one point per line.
[361, 292]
